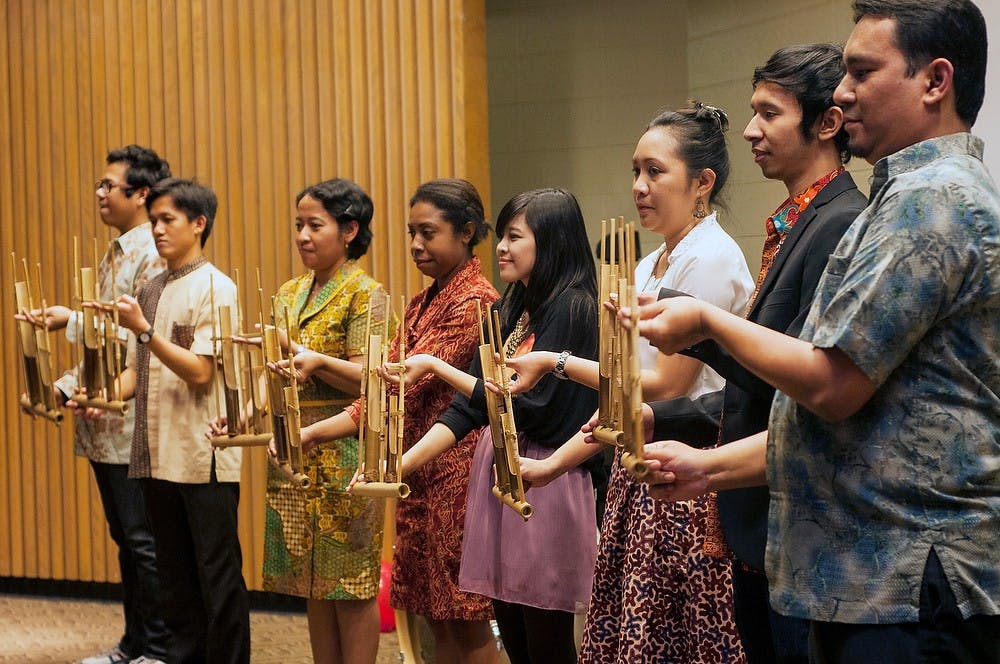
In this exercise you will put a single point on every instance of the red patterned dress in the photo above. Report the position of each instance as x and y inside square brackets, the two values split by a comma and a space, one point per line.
[658, 597]
[429, 523]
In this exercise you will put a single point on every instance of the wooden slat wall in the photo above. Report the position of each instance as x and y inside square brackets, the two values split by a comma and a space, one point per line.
[257, 98]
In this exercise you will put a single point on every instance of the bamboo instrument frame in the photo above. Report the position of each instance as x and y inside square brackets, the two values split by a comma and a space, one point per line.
[241, 385]
[620, 386]
[33, 345]
[100, 373]
[284, 406]
[509, 487]
[608, 429]
[380, 431]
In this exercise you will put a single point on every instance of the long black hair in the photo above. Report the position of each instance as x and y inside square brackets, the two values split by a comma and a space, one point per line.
[562, 258]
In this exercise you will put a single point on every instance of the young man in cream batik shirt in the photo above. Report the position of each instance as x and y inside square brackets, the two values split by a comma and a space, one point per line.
[192, 491]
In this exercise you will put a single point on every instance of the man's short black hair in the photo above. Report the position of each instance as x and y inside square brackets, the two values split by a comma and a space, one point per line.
[929, 29]
[145, 167]
[192, 198]
[811, 72]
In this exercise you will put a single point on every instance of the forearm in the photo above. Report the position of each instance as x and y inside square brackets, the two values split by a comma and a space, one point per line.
[127, 380]
[345, 375]
[571, 454]
[682, 472]
[438, 439]
[580, 370]
[671, 377]
[824, 380]
[195, 370]
[740, 464]
[458, 379]
[534, 366]
[339, 426]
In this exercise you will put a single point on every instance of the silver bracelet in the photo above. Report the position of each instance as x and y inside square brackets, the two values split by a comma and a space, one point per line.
[560, 369]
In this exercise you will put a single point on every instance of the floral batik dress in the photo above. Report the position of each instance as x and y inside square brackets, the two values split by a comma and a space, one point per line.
[323, 543]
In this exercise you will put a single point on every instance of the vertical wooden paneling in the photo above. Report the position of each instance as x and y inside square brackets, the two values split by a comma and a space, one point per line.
[9, 517]
[257, 98]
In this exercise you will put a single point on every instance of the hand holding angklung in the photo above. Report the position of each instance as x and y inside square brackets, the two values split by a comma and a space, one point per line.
[56, 317]
[677, 471]
[89, 414]
[129, 313]
[248, 341]
[217, 427]
[528, 369]
[670, 325]
[414, 368]
[535, 472]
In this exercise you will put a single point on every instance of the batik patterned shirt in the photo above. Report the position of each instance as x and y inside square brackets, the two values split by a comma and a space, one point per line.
[133, 254]
[912, 296]
[169, 440]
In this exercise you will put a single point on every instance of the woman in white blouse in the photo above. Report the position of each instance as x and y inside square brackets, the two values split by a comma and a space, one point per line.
[657, 595]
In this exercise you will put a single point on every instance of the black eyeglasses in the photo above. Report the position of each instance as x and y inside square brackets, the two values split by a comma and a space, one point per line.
[104, 187]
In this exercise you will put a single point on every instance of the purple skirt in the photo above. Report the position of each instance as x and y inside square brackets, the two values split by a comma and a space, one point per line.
[547, 561]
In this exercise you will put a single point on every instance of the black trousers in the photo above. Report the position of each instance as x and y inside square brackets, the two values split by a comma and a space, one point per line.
[206, 607]
[535, 636]
[125, 511]
[768, 637]
[940, 636]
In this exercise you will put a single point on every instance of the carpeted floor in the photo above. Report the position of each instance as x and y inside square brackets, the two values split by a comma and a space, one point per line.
[40, 630]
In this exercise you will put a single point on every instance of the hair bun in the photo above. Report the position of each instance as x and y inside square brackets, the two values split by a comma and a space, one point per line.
[706, 113]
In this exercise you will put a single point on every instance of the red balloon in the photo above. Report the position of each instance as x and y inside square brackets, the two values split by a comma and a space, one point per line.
[387, 616]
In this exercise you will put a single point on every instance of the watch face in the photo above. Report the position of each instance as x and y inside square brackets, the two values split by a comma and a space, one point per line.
[144, 337]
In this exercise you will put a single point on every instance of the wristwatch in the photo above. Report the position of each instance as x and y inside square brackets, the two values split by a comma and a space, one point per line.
[144, 337]
[560, 369]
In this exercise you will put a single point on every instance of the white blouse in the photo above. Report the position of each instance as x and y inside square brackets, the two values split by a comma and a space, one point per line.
[706, 264]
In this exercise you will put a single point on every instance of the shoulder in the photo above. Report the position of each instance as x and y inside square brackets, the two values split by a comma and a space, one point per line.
[841, 195]
[213, 280]
[471, 282]
[713, 251]
[573, 304]
[945, 199]
[837, 213]
[293, 284]
[363, 285]
[155, 282]
[456, 299]
[717, 239]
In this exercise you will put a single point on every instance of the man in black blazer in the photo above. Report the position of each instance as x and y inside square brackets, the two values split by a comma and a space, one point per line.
[796, 136]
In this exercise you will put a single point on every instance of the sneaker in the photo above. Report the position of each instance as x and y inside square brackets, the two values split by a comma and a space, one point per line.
[112, 655]
[147, 660]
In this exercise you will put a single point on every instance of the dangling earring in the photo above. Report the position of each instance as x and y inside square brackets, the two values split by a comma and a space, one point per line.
[699, 210]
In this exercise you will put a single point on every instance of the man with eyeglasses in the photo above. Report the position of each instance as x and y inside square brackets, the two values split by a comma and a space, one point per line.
[104, 439]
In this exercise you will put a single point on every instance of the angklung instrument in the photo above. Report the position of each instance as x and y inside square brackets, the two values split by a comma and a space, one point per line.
[99, 376]
[509, 487]
[33, 343]
[380, 432]
[619, 417]
[242, 367]
[283, 401]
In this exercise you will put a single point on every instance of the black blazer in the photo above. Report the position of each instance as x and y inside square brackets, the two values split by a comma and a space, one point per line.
[782, 304]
